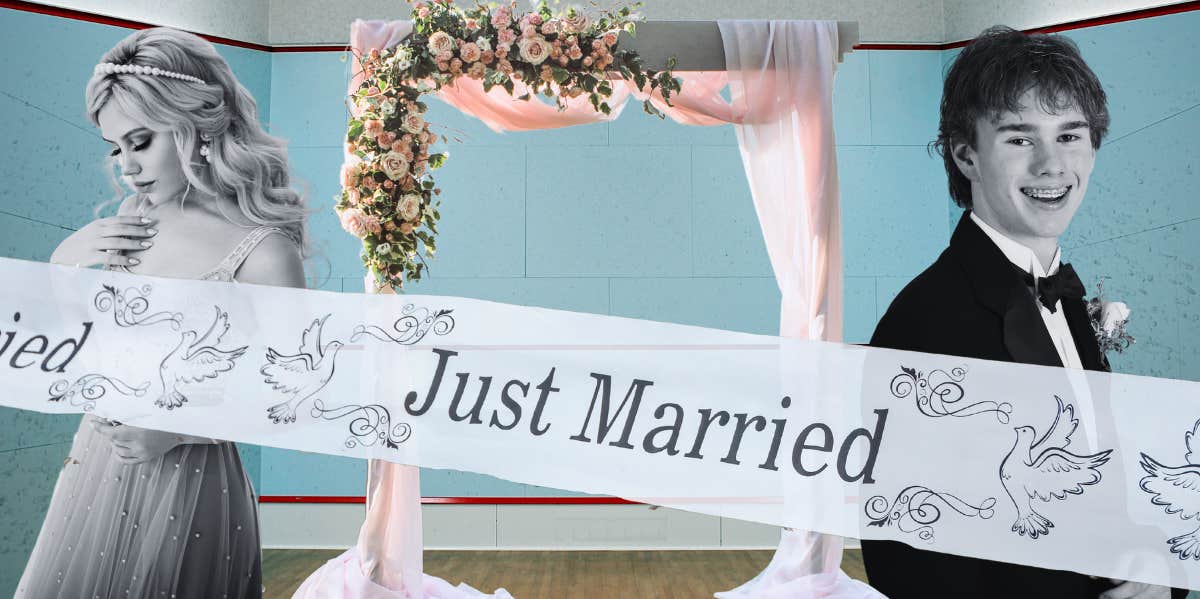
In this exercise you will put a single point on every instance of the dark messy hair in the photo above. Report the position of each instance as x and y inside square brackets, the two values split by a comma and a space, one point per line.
[992, 73]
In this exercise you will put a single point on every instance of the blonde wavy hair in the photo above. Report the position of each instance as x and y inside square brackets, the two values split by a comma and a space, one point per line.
[244, 162]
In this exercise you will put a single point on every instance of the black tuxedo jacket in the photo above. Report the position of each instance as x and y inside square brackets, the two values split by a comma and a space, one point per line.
[973, 302]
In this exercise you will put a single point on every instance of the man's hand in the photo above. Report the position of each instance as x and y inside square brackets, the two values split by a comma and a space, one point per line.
[1136, 590]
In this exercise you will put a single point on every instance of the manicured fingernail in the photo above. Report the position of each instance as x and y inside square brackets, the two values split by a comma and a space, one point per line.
[147, 244]
[145, 221]
[152, 231]
[134, 261]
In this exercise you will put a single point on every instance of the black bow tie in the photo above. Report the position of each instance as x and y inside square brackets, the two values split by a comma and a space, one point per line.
[1062, 284]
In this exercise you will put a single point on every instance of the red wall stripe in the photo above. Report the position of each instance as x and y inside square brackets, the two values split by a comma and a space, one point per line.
[79, 15]
[455, 500]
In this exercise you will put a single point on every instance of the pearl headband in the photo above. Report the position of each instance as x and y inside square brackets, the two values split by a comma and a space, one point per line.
[109, 68]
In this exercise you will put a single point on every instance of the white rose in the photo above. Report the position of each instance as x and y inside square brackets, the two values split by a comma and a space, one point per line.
[484, 44]
[383, 249]
[410, 206]
[534, 50]
[1112, 314]
[440, 42]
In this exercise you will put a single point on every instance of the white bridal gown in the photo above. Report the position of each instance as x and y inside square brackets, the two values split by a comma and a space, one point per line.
[182, 525]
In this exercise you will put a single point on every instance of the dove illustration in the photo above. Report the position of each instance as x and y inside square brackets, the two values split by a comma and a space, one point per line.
[1177, 489]
[194, 360]
[300, 375]
[1045, 470]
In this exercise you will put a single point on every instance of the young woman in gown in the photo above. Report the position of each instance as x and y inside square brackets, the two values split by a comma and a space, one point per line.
[142, 513]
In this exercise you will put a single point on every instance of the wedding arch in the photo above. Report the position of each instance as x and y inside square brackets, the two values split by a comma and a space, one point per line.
[493, 64]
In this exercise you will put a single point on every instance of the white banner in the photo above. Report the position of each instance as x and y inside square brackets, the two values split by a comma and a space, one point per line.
[1056, 468]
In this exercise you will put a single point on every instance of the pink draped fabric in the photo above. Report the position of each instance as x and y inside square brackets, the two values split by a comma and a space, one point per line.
[780, 76]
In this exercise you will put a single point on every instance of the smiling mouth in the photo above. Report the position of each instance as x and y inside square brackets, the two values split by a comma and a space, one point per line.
[1047, 195]
[143, 186]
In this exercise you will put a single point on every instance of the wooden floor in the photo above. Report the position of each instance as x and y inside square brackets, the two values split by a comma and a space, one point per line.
[564, 574]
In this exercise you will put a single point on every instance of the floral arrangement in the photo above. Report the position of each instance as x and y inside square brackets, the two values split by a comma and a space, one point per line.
[1109, 320]
[388, 191]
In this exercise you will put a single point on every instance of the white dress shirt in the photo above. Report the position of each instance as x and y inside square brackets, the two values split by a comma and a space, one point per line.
[1056, 322]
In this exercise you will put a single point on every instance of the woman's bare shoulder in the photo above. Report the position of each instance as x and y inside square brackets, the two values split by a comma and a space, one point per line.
[274, 261]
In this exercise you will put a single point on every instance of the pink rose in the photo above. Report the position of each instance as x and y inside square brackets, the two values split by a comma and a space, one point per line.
[372, 127]
[506, 37]
[534, 50]
[476, 71]
[440, 42]
[487, 57]
[406, 228]
[394, 165]
[549, 27]
[349, 174]
[535, 19]
[354, 221]
[469, 52]
[501, 17]
[386, 138]
[352, 196]
[576, 22]
[413, 123]
[399, 146]
[610, 39]
[409, 207]
[423, 13]
[529, 31]
[575, 53]
[472, 24]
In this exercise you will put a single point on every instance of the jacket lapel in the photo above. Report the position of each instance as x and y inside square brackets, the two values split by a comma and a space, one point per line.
[999, 286]
[1085, 338]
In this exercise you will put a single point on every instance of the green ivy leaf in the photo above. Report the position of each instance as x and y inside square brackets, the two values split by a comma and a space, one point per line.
[560, 75]
[437, 160]
[355, 130]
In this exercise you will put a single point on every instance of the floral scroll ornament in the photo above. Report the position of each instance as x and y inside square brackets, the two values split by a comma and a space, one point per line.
[129, 307]
[411, 327]
[939, 394]
[89, 388]
[915, 510]
[387, 198]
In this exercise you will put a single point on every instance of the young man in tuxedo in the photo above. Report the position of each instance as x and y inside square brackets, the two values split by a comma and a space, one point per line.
[1022, 117]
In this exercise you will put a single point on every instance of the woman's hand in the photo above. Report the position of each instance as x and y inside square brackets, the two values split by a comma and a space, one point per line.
[105, 242]
[133, 445]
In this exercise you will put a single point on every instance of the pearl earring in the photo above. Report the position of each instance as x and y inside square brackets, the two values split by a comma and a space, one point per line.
[205, 146]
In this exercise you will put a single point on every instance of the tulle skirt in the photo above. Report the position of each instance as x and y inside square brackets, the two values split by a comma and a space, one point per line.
[342, 578]
[183, 525]
[805, 566]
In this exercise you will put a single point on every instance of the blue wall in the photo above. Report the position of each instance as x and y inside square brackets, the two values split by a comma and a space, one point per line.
[658, 223]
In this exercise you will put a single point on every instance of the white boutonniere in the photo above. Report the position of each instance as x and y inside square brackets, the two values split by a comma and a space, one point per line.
[1109, 320]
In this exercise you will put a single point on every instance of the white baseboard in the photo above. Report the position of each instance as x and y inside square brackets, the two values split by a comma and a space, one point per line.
[521, 527]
